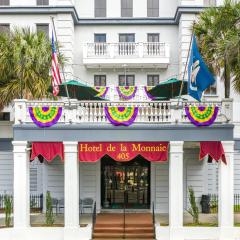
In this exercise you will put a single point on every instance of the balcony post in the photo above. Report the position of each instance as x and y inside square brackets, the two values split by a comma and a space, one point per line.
[141, 50]
[21, 185]
[112, 50]
[226, 192]
[20, 111]
[227, 109]
[176, 111]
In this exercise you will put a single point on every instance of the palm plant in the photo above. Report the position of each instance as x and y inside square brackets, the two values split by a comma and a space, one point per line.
[218, 40]
[25, 60]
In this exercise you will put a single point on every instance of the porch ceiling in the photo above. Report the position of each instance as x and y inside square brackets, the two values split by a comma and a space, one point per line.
[136, 132]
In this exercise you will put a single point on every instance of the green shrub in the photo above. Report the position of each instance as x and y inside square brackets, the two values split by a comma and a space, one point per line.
[193, 210]
[8, 207]
[49, 217]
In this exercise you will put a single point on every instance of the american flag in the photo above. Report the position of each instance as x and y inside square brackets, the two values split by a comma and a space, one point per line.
[56, 77]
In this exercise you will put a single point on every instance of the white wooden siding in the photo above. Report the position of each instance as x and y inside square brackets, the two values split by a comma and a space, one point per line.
[6, 172]
[55, 178]
[237, 172]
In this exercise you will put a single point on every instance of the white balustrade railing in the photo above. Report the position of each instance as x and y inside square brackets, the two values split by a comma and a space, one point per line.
[148, 112]
[126, 49]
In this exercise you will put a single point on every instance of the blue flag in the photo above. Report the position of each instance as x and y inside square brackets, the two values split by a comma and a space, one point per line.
[199, 77]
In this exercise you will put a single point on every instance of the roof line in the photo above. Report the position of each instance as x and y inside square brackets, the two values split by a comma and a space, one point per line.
[101, 21]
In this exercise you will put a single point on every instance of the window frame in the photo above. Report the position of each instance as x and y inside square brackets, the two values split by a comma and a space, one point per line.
[98, 9]
[6, 26]
[100, 80]
[4, 2]
[43, 25]
[151, 8]
[127, 11]
[126, 80]
[100, 34]
[42, 2]
[153, 80]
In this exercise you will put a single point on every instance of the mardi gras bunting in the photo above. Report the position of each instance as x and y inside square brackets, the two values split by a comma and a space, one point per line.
[147, 88]
[102, 91]
[127, 92]
[45, 116]
[202, 115]
[121, 115]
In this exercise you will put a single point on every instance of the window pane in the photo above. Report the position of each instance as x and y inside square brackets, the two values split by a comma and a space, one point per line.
[4, 116]
[43, 28]
[100, 37]
[152, 80]
[4, 2]
[130, 80]
[99, 80]
[4, 28]
[153, 8]
[42, 2]
[127, 37]
[126, 8]
[153, 37]
[100, 8]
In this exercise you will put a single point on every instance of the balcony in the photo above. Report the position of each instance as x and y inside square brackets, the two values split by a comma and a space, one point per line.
[134, 55]
[151, 112]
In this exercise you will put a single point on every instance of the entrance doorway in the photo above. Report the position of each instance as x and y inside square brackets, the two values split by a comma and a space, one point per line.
[125, 184]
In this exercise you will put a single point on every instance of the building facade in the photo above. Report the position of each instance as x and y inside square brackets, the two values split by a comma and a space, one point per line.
[119, 43]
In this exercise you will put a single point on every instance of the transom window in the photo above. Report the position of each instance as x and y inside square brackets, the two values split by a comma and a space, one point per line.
[42, 2]
[4, 28]
[100, 80]
[126, 8]
[4, 2]
[152, 80]
[43, 28]
[128, 80]
[153, 8]
[100, 8]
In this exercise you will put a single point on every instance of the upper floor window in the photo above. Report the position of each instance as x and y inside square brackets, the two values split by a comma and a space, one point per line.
[100, 8]
[152, 80]
[128, 37]
[4, 28]
[126, 80]
[99, 37]
[43, 28]
[153, 8]
[126, 8]
[100, 80]
[4, 2]
[153, 37]
[42, 2]
[4, 116]
[209, 3]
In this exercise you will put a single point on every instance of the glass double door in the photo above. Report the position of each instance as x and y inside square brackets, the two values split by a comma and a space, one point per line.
[126, 184]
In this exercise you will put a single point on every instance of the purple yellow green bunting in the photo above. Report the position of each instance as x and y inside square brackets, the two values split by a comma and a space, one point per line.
[127, 92]
[102, 91]
[45, 116]
[121, 115]
[202, 115]
[148, 88]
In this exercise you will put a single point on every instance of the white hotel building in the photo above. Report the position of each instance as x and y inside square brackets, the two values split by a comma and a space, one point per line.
[111, 43]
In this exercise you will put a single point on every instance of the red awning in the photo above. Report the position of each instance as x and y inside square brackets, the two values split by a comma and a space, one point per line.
[213, 149]
[48, 150]
[123, 151]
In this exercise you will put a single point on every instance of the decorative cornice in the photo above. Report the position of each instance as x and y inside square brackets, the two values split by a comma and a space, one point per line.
[49, 10]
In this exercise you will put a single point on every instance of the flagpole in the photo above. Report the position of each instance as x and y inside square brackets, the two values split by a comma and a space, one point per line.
[185, 69]
[61, 63]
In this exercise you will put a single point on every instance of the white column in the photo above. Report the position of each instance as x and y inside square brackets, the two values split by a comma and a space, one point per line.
[226, 192]
[176, 184]
[21, 185]
[71, 185]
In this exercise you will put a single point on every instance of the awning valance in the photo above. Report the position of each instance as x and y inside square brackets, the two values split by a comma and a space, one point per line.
[48, 150]
[123, 151]
[213, 149]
